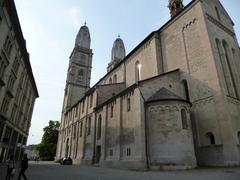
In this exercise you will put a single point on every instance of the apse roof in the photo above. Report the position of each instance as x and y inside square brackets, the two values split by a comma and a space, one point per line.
[164, 94]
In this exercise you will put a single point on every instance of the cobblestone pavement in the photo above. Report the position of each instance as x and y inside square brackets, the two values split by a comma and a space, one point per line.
[52, 171]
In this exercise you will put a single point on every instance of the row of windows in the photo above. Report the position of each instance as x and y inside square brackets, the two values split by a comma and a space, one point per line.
[11, 136]
[114, 80]
[128, 107]
[137, 74]
[211, 139]
[128, 152]
[91, 103]
[88, 130]
[99, 123]
[79, 108]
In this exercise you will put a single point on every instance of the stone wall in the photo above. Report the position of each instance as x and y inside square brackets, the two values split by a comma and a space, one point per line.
[170, 143]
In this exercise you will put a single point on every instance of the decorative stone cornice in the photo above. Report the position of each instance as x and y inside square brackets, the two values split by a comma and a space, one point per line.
[220, 25]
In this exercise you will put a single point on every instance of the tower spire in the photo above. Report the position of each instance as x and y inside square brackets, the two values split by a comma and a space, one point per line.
[175, 6]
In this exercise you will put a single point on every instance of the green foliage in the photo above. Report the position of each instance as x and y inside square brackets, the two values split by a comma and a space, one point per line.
[48, 145]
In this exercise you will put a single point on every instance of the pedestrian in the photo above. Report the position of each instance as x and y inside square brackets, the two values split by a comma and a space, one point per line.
[10, 168]
[24, 166]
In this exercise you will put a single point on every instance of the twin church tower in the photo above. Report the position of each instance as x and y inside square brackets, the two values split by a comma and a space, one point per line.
[80, 65]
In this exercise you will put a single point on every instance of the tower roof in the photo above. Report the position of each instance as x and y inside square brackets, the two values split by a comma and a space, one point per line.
[83, 38]
[175, 6]
[118, 50]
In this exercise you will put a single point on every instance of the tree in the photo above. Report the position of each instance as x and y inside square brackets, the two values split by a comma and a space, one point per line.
[48, 145]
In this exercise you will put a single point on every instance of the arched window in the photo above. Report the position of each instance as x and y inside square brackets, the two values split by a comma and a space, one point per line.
[184, 119]
[217, 12]
[99, 132]
[210, 138]
[91, 100]
[80, 75]
[185, 85]
[115, 78]
[234, 92]
[110, 81]
[137, 71]
[238, 137]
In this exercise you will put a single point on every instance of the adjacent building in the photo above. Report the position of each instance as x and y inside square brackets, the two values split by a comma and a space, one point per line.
[18, 89]
[172, 102]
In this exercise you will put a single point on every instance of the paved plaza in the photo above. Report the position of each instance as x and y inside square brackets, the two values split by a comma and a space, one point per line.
[52, 171]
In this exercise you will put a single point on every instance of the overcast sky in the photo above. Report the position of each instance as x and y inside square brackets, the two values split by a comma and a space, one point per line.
[50, 28]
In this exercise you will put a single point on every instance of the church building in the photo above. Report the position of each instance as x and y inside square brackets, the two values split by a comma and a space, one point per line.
[173, 102]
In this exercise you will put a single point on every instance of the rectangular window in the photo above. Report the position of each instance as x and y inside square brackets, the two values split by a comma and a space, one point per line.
[11, 81]
[21, 80]
[81, 128]
[17, 97]
[14, 109]
[76, 111]
[7, 135]
[110, 152]
[5, 104]
[128, 151]
[89, 127]
[99, 132]
[7, 45]
[111, 113]
[3, 66]
[217, 12]
[16, 65]
[74, 131]
[91, 100]
[1, 129]
[128, 104]
[83, 106]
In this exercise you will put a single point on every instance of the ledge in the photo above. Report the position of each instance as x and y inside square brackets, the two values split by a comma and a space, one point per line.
[211, 146]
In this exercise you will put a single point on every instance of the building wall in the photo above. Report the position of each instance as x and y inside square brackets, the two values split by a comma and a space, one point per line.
[220, 28]
[187, 42]
[147, 57]
[165, 121]
[122, 141]
[17, 86]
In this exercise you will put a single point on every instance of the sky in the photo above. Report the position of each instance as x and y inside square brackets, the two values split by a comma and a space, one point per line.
[50, 28]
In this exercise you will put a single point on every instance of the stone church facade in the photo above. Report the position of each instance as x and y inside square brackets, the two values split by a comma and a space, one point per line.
[172, 102]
